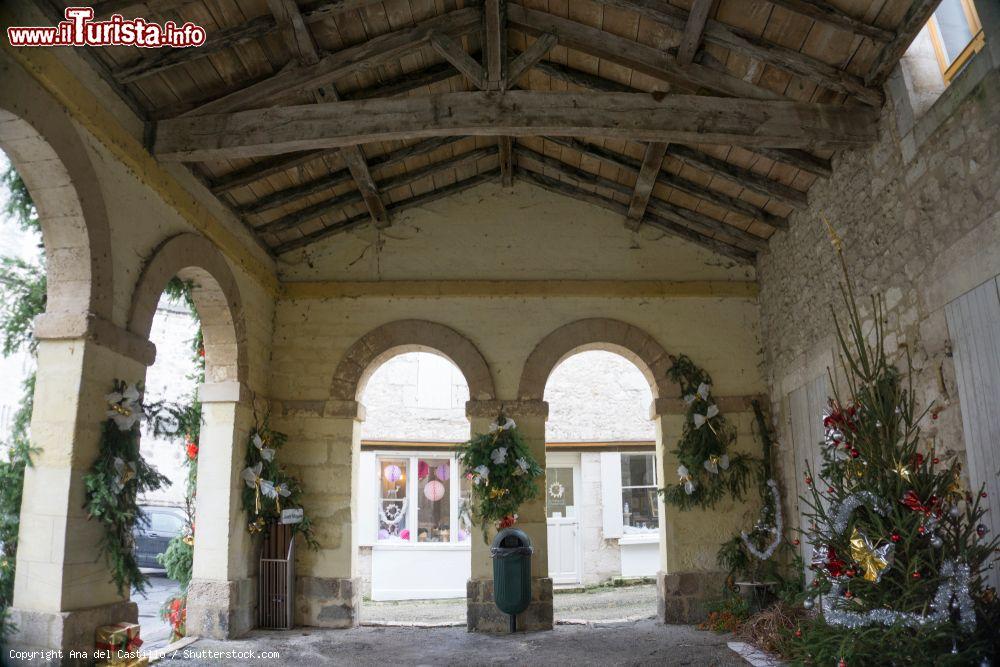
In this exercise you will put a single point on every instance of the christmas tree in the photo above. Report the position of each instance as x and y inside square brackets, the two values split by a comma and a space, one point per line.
[899, 548]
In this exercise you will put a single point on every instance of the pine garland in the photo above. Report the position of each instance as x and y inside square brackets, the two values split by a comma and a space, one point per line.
[503, 474]
[115, 481]
[707, 471]
[269, 488]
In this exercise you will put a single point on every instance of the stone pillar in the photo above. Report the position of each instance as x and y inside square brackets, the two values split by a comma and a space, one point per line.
[325, 443]
[222, 596]
[483, 615]
[689, 576]
[63, 588]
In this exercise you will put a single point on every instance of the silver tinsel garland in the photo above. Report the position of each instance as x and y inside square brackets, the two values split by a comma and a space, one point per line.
[852, 502]
[955, 586]
[777, 529]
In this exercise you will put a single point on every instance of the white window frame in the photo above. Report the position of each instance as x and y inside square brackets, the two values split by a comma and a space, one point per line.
[646, 536]
[454, 488]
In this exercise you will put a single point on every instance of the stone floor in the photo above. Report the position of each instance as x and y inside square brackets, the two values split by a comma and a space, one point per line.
[630, 603]
[154, 631]
[638, 643]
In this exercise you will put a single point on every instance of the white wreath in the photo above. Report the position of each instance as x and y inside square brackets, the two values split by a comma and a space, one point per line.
[769, 551]
[556, 490]
[397, 516]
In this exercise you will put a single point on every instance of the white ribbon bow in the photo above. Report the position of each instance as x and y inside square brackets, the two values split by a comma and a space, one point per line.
[266, 453]
[699, 420]
[482, 475]
[703, 390]
[713, 463]
[507, 424]
[499, 455]
[124, 472]
[685, 475]
[124, 408]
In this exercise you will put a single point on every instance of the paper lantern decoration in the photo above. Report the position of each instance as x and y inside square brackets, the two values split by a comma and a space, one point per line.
[383, 534]
[392, 474]
[442, 472]
[462, 535]
[405, 535]
[434, 491]
[423, 469]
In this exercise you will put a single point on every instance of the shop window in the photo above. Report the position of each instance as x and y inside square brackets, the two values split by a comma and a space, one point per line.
[639, 507]
[956, 34]
[425, 492]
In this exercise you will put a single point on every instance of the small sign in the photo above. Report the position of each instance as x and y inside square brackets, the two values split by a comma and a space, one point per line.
[292, 515]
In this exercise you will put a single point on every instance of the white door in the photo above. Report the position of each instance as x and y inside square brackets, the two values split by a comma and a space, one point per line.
[561, 485]
[974, 325]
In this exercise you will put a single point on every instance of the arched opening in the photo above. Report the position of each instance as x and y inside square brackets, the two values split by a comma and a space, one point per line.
[414, 542]
[602, 508]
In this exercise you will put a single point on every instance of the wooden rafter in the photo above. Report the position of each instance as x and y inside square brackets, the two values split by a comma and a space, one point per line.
[668, 226]
[303, 49]
[337, 204]
[672, 118]
[407, 82]
[361, 57]
[629, 53]
[754, 46]
[583, 79]
[632, 166]
[531, 56]
[357, 221]
[692, 219]
[916, 18]
[452, 51]
[825, 12]
[644, 182]
[693, 31]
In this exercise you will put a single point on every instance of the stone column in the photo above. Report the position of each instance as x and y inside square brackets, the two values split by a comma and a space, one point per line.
[325, 443]
[222, 596]
[483, 615]
[63, 588]
[689, 576]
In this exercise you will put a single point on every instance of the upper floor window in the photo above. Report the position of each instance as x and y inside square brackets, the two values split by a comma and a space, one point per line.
[956, 34]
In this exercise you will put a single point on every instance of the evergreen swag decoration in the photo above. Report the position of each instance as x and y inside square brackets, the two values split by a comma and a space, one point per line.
[269, 488]
[117, 478]
[503, 474]
[707, 472]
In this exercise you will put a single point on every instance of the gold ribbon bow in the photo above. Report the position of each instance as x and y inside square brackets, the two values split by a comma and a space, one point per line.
[874, 561]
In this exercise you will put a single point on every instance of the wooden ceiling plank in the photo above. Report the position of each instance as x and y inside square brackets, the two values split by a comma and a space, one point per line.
[916, 18]
[629, 53]
[693, 31]
[559, 187]
[406, 82]
[651, 163]
[581, 79]
[360, 220]
[825, 12]
[669, 118]
[749, 44]
[748, 179]
[342, 63]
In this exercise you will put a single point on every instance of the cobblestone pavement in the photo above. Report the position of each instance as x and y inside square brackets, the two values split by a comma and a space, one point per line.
[630, 603]
[154, 631]
[638, 643]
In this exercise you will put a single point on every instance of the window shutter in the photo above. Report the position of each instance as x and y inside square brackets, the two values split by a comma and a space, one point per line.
[611, 493]
[367, 489]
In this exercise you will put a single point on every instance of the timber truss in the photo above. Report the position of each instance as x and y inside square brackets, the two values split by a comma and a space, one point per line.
[707, 119]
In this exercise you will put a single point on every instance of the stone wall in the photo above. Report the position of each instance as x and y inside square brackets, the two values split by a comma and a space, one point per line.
[919, 215]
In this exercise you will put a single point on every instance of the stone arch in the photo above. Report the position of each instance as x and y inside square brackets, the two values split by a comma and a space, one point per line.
[596, 334]
[50, 157]
[216, 297]
[388, 340]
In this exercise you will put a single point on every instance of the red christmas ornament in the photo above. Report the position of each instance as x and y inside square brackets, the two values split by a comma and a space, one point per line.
[798, 633]
[854, 453]
[916, 575]
[982, 495]
[921, 530]
[834, 565]
[934, 415]
[848, 594]
[894, 537]
[829, 489]
[841, 663]
[936, 460]
[850, 573]
[809, 480]
[192, 450]
[912, 500]
[795, 541]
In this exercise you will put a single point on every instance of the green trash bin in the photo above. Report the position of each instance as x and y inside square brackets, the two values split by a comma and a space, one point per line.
[511, 551]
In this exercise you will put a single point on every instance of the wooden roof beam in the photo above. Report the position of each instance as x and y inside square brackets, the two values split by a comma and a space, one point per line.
[670, 118]
[630, 165]
[692, 219]
[451, 51]
[530, 57]
[559, 187]
[693, 31]
[644, 182]
[629, 53]
[360, 220]
[916, 18]
[357, 58]
[754, 46]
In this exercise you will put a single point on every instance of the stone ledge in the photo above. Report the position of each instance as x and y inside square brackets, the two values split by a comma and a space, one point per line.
[46, 631]
[88, 326]
[327, 602]
[513, 409]
[483, 616]
[319, 408]
[221, 609]
[682, 597]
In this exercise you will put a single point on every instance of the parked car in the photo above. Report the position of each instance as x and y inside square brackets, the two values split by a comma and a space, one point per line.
[151, 539]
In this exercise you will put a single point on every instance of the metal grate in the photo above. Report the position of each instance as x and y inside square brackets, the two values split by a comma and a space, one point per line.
[276, 610]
